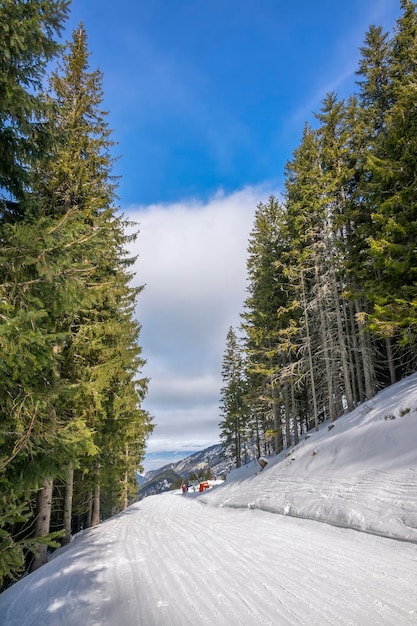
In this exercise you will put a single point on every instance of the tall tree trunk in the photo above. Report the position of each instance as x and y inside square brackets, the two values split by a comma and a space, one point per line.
[366, 352]
[342, 344]
[43, 518]
[126, 481]
[360, 397]
[310, 355]
[89, 519]
[390, 357]
[125, 491]
[258, 437]
[95, 518]
[287, 406]
[69, 489]
[238, 443]
[294, 416]
[325, 337]
[278, 440]
[352, 353]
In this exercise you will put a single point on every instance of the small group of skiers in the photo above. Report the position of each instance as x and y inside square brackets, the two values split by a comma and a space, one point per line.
[184, 488]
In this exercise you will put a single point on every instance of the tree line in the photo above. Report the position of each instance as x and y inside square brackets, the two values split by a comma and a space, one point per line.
[330, 315]
[72, 430]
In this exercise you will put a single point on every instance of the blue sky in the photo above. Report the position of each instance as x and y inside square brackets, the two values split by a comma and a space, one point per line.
[207, 100]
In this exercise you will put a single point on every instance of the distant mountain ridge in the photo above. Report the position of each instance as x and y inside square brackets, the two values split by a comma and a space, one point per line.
[190, 468]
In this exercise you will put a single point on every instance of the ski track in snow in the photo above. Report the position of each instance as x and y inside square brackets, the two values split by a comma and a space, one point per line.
[172, 561]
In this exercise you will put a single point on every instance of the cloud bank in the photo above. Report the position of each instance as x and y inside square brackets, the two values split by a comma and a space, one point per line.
[192, 260]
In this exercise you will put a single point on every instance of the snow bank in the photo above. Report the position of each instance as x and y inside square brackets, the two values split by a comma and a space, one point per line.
[360, 474]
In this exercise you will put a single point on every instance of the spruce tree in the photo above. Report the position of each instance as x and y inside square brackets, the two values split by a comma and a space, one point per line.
[375, 100]
[27, 379]
[233, 426]
[100, 355]
[393, 194]
[374, 84]
[28, 31]
[68, 309]
[307, 267]
[335, 165]
[264, 319]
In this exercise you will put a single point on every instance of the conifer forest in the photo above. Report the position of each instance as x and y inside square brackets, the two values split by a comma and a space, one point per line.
[330, 315]
[72, 430]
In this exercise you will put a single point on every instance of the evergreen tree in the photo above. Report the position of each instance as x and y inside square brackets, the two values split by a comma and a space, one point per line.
[340, 259]
[100, 355]
[27, 43]
[393, 195]
[375, 99]
[70, 388]
[335, 161]
[374, 85]
[306, 268]
[233, 409]
[263, 321]
[28, 384]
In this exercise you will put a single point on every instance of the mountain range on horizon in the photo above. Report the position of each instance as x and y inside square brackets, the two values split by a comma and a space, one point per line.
[190, 468]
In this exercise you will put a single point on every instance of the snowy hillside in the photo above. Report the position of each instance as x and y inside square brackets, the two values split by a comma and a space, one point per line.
[362, 473]
[221, 558]
[208, 458]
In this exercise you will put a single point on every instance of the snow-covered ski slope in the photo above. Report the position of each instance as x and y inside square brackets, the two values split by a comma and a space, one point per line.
[179, 561]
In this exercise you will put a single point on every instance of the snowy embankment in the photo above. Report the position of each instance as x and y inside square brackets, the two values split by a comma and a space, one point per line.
[360, 474]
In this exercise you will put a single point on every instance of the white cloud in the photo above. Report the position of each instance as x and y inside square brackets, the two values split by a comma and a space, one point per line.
[192, 258]
[178, 447]
[172, 389]
[191, 250]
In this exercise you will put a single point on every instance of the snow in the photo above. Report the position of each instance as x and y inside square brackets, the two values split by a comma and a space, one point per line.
[277, 547]
[361, 474]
